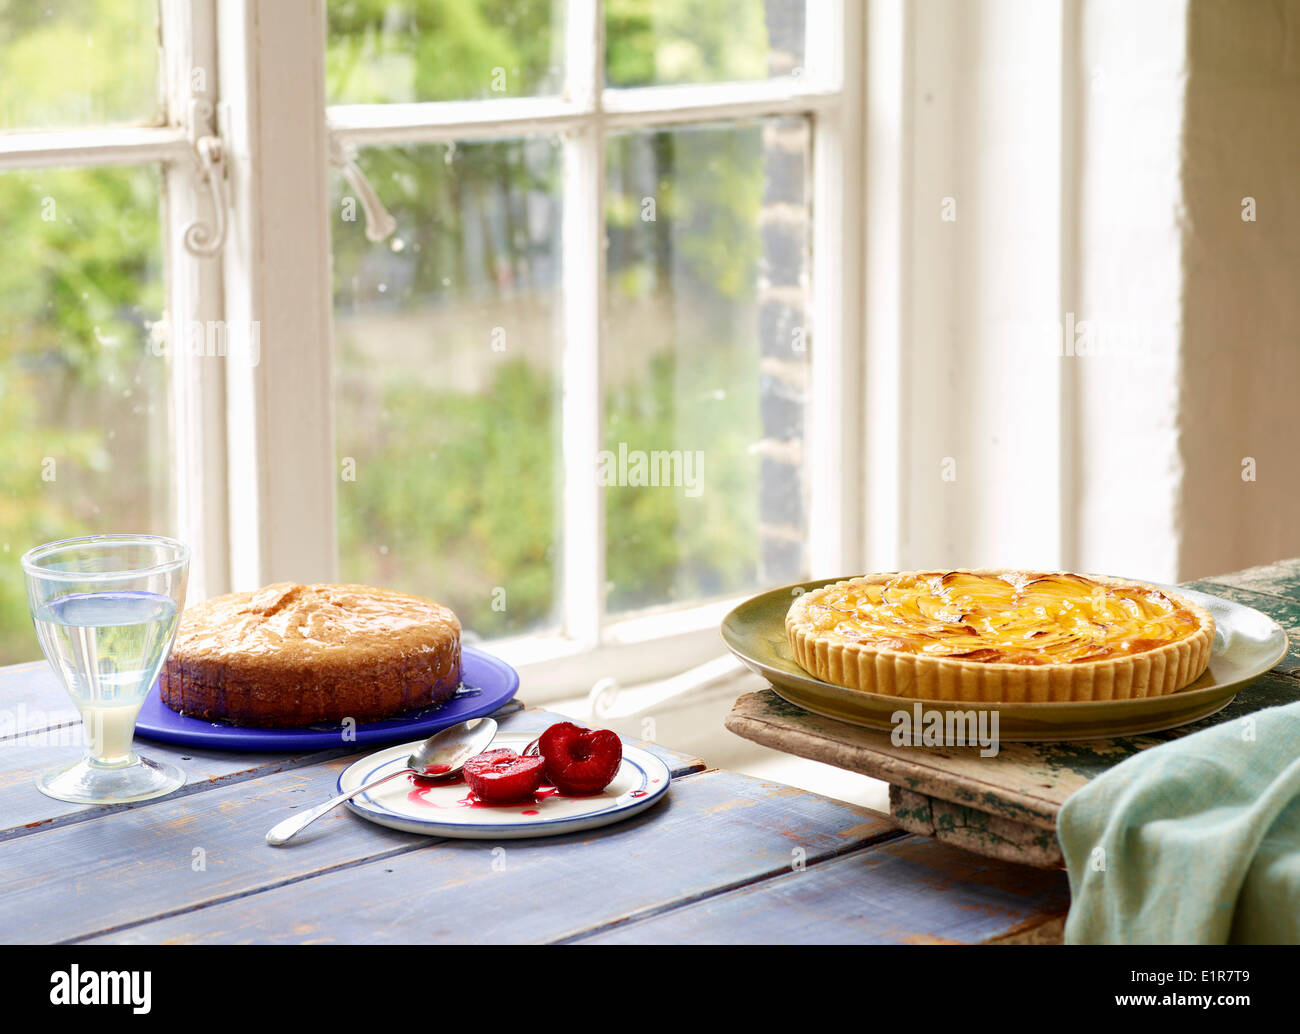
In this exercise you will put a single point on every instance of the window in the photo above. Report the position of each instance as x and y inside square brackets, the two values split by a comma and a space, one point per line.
[598, 381]
[91, 182]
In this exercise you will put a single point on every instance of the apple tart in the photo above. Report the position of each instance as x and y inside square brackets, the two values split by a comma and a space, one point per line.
[1000, 636]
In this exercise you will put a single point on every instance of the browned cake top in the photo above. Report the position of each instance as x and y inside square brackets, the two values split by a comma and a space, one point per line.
[287, 624]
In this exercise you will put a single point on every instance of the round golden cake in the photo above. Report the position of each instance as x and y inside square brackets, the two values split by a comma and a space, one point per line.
[1000, 636]
[292, 655]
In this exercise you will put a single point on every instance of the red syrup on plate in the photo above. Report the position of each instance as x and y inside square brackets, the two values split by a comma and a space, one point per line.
[421, 788]
[472, 801]
[419, 794]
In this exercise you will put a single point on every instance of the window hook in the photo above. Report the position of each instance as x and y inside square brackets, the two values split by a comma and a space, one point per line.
[202, 239]
[379, 224]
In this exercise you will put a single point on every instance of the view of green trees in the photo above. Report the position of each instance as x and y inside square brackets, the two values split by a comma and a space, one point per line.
[83, 405]
[455, 441]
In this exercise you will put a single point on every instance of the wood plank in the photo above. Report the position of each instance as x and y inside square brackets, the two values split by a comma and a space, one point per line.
[26, 810]
[908, 891]
[1024, 782]
[1280, 578]
[33, 699]
[138, 863]
[129, 865]
[713, 832]
[975, 830]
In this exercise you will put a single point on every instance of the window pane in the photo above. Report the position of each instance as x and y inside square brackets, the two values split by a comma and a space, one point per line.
[84, 411]
[706, 361]
[78, 62]
[446, 341]
[663, 42]
[396, 51]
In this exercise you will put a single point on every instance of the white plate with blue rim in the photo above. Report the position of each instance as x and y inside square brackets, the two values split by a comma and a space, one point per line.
[449, 809]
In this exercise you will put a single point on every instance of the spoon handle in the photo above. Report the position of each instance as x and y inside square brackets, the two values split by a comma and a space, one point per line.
[282, 832]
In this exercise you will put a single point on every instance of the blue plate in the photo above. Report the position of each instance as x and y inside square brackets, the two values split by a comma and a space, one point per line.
[487, 684]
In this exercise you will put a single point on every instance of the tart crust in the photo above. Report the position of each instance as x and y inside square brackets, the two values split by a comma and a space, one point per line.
[875, 668]
[291, 655]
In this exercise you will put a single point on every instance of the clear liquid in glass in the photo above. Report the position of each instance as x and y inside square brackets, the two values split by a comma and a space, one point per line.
[108, 647]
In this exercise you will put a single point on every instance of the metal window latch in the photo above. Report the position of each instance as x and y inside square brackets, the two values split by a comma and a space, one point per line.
[610, 701]
[379, 224]
[202, 239]
[205, 239]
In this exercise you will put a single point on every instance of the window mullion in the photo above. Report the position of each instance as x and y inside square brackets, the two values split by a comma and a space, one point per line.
[886, 203]
[583, 521]
[93, 145]
[368, 125]
[834, 38]
[194, 302]
[276, 263]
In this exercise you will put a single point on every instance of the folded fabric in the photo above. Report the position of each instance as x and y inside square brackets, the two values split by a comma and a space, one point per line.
[1196, 841]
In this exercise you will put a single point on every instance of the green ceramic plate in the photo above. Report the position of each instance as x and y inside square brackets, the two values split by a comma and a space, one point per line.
[1246, 644]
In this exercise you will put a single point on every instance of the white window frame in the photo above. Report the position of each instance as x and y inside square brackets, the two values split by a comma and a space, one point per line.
[255, 494]
[829, 94]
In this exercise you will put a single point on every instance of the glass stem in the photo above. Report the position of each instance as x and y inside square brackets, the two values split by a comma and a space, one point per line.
[109, 732]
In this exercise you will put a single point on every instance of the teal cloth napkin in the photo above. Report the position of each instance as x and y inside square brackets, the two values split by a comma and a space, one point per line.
[1196, 841]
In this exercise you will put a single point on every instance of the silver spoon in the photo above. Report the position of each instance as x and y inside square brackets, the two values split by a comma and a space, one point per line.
[451, 747]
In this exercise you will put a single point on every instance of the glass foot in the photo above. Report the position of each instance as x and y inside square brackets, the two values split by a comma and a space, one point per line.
[85, 783]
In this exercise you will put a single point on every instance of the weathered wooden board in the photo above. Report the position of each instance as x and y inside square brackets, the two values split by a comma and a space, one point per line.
[31, 699]
[181, 853]
[905, 891]
[975, 830]
[24, 809]
[1024, 782]
[713, 832]
[1281, 578]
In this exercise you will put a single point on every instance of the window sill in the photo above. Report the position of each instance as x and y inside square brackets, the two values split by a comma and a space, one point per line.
[635, 650]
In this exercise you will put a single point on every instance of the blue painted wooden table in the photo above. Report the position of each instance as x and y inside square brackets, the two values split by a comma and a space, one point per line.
[725, 858]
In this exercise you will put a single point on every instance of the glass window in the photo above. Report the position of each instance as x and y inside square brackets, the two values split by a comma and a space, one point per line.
[70, 63]
[85, 432]
[671, 42]
[706, 360]
[397, 51]
[447, 380]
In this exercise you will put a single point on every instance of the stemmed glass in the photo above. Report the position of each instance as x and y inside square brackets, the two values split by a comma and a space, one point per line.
[106, 609]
